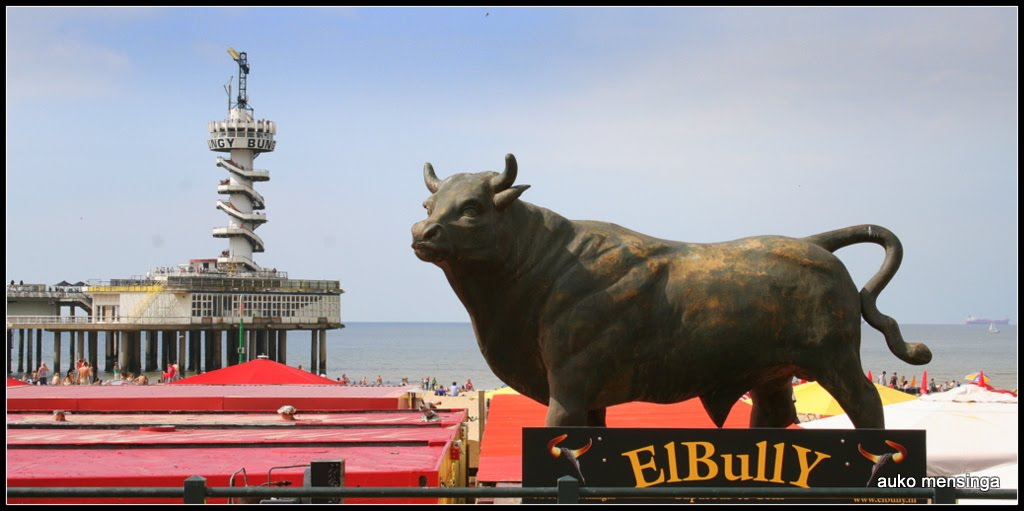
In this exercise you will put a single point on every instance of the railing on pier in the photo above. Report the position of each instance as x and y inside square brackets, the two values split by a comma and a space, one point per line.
[211, 283]
[248, 319]
[568, 491]
[56, 294]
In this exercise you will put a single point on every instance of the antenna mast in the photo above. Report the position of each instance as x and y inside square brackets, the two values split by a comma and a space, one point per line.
[227, 89]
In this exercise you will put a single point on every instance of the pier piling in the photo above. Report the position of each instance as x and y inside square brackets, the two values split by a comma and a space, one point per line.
[314, 345]
[108, 353]
[56, 353]
[31, 367]
[21, 350]
[39, 346]
[323, 352]
[94, 355]
[282, 347]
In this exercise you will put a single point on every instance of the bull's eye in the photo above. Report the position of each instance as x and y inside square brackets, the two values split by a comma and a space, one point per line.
[470, 211]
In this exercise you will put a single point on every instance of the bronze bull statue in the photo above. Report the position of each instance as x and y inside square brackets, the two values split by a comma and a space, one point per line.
[583, 315]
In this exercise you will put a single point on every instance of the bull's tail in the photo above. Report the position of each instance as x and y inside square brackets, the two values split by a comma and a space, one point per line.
[911, 353]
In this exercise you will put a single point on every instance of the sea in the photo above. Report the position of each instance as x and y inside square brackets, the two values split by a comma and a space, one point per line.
[449, 353]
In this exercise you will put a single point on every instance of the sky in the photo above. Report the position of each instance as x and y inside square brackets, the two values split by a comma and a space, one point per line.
[692, 124]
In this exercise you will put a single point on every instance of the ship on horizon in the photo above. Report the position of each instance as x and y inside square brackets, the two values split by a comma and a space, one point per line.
[971, 320]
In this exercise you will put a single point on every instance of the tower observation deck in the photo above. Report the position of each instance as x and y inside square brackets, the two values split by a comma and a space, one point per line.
[243, 138]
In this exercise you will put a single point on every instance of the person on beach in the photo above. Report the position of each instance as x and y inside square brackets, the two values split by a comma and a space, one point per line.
[380, 381]
[43, 374]
[171, 373]
[893, 380]
[469, 385]
[69, 378]
[881, 379]
[454, 389]
[433, 384]
[85, 373]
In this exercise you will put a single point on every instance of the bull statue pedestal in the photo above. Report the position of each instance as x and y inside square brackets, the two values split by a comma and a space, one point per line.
[583, 315]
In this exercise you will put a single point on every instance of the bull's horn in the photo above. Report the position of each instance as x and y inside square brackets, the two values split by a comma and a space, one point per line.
[579, 452]
[433, 183]
[555, 441]
[873, 458]
[899, 456]
[507, 178]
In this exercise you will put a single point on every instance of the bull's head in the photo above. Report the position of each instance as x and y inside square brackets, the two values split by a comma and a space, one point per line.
[464, 214]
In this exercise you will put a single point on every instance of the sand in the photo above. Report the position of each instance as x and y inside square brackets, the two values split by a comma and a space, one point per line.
[469, 401]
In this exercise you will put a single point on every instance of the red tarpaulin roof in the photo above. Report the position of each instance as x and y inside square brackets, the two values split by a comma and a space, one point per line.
[11, 382]
[374, 456]
[257, 372]
[501, 448]
[239, 398]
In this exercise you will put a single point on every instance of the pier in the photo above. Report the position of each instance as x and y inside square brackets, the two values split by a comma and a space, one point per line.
[203, 315]
[158, 337]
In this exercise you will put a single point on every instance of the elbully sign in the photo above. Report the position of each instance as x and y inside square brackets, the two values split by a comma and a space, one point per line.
[642, 458]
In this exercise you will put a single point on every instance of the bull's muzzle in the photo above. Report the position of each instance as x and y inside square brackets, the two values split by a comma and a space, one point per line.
[429, 241]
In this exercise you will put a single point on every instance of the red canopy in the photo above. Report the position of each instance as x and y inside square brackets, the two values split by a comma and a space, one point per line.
[501, 449]
[257, 372]
[11, 382]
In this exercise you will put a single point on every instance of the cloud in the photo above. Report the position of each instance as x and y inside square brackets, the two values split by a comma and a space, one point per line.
[46, 58]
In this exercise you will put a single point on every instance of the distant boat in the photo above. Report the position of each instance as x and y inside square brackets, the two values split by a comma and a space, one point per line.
[992, 328]
[971, 320]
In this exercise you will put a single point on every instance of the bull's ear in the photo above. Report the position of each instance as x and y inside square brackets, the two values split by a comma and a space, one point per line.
[504, 198]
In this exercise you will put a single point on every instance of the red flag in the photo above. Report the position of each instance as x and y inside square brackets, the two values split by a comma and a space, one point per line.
[870, 378]
[982, 382]
[924, 382]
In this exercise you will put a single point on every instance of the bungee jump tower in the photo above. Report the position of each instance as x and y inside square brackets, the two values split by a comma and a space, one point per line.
[243, 138]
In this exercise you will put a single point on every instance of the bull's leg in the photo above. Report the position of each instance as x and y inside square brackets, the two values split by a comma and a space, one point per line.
[773, 404]
[566, 411]
[595, 418]
[858, 396]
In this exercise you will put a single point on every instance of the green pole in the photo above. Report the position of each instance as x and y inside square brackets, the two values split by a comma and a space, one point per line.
[241, 334]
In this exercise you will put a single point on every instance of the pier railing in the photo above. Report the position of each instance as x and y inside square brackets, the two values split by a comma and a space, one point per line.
[53, 295]
[568, 491]
[227, 321]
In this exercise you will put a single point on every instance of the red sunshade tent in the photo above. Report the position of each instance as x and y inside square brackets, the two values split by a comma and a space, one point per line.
[501, 449]
[11, 382]
[257, 372]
